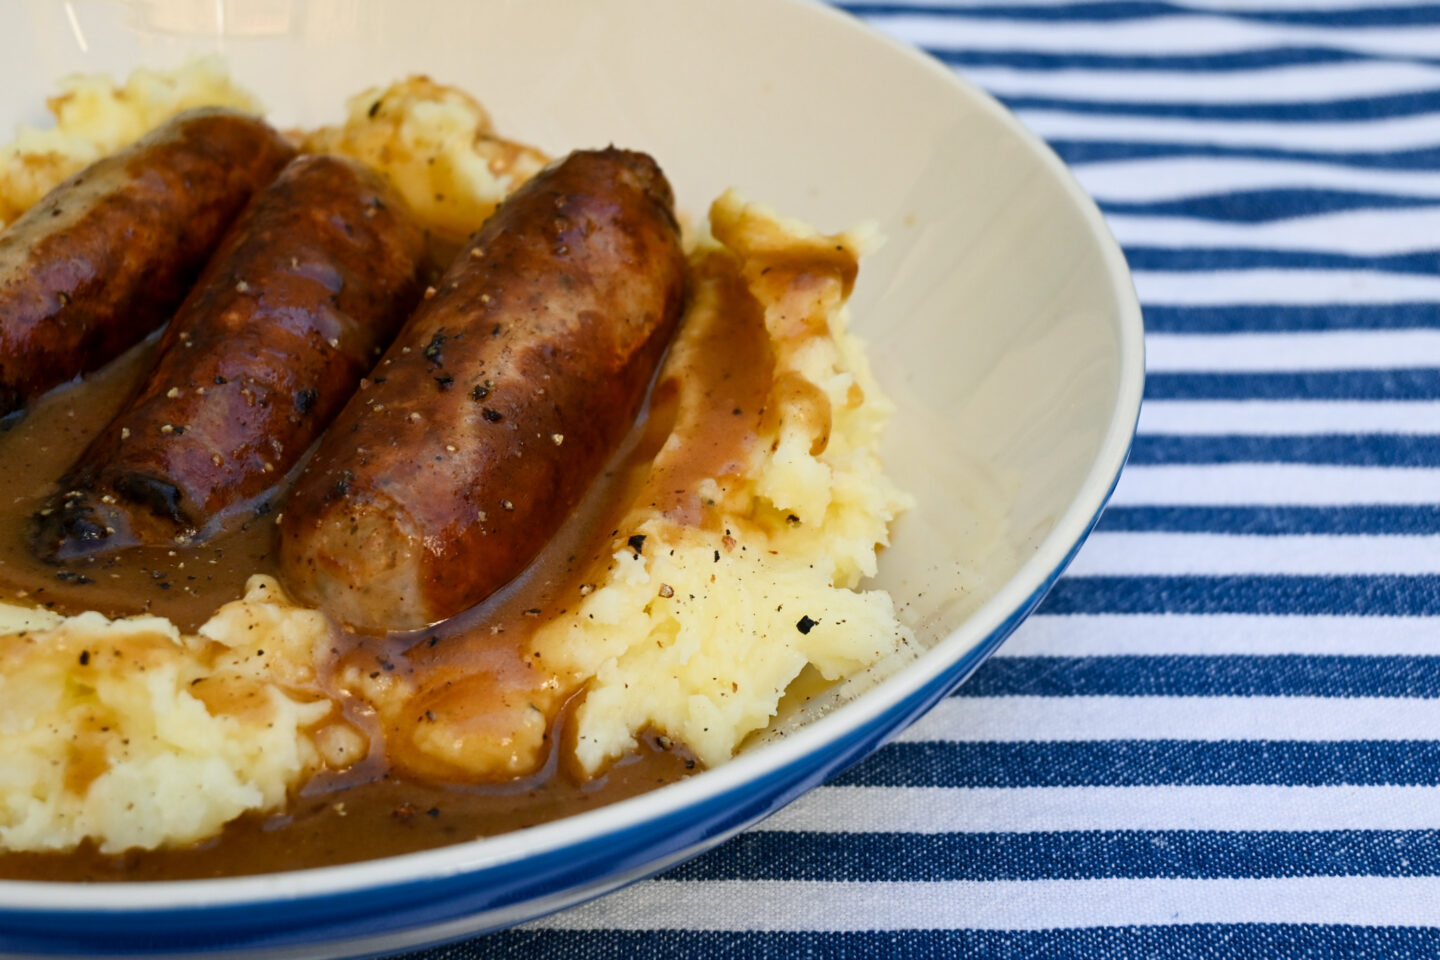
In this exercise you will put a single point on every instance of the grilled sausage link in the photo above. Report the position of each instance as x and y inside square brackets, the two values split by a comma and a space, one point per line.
[304, 292]
[497, 404]
[106, 256]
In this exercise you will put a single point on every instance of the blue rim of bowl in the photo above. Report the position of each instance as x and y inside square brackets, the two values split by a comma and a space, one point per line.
[948, 661]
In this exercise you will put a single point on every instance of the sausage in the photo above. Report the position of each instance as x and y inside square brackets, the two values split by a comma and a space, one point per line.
[304, 292]
[106, 256]
[497, 404]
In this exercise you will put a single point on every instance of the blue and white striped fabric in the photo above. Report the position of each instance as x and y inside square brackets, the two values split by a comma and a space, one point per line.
[1220, 736]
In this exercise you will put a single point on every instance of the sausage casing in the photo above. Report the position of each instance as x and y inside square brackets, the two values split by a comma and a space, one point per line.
[497, 404]
[304, 292]
[107, 255]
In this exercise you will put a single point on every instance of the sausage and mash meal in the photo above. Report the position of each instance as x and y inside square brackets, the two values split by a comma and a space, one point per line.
[387, 485]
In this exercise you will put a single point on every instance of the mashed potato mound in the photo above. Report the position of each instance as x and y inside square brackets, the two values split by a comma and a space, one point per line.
[95, 116]
[436, 144]
[132, 734]
[714, 621]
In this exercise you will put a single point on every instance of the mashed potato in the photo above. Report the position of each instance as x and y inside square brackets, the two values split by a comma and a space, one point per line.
[714, 621]
[95, 116]
[437, 146]
[132, 734]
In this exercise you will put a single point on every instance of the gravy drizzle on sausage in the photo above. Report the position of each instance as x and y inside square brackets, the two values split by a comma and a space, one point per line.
[498, 402]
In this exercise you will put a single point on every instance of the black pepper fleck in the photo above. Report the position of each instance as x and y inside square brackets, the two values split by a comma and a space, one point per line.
[342, 486]
[434, 348]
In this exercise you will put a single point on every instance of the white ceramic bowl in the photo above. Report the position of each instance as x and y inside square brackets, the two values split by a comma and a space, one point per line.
[1000, 317]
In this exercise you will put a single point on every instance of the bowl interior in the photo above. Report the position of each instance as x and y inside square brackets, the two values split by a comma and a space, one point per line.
[998, 313]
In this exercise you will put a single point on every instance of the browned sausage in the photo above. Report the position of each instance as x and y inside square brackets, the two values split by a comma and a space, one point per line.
[309, 285]
[106, 256]
[497, 404]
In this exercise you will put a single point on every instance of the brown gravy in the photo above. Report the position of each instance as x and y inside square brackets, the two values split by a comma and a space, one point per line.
[384, 817]
[366, 811]
[372, 810]
[185, 584]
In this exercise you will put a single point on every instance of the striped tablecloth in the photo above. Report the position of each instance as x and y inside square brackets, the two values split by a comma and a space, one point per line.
[1220, 736]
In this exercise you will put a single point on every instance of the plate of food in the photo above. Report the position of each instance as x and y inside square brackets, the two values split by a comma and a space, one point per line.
[463, 457]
